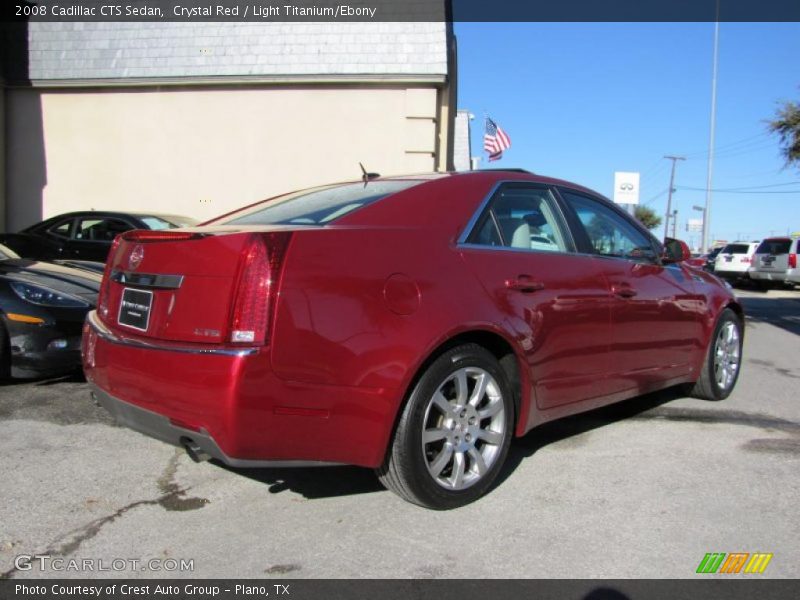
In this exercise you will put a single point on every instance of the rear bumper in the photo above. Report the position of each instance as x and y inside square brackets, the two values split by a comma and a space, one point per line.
[768, 275]
[161, 428]
[230, 403]
[731, 273]
[786, 276]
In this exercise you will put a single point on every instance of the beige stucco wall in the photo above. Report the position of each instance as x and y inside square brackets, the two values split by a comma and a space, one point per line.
[202, 152]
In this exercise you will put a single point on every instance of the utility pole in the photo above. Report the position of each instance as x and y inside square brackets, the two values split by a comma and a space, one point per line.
[674, 159]
[675, 223]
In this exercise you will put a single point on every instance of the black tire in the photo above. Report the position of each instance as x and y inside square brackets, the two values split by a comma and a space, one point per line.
[708, 386]
[762, 285]
[472, 419]
[5, 353]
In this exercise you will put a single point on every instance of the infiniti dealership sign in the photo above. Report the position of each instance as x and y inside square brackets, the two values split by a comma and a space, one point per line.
[626, 188]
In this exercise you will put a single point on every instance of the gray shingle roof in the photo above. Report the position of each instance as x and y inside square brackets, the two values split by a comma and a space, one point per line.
[65, 51]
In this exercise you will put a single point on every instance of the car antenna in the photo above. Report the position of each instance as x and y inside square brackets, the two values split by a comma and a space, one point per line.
[365, 177]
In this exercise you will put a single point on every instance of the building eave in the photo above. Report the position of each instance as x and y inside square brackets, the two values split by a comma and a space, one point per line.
[436, 80]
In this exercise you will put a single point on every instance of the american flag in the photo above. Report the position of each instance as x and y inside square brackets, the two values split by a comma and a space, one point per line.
[495, 140]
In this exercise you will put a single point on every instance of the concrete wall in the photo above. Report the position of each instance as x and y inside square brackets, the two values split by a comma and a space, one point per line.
[462, 150]
[202, 152]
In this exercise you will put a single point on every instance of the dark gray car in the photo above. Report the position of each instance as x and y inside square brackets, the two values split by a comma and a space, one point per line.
[84, 235]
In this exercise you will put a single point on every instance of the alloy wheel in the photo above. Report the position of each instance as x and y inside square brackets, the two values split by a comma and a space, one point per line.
[464, 428]
[727, 354]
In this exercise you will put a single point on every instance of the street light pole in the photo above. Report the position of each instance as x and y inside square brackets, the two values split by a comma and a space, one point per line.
[707, 212]
[674, 159]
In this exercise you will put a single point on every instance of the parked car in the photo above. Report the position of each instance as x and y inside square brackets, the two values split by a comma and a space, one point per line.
[42, 309]
[84, 235]
[734, 260]
[711, 259]
[411, 324]
[697, 260]
[775, 262]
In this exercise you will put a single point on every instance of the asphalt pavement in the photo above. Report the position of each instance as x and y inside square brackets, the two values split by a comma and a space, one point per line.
[641, 489]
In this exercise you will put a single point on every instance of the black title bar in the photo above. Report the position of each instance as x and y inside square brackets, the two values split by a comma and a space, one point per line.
[403, 10]
[714, 588]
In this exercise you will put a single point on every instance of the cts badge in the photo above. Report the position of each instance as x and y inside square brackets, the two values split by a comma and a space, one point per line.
[136, 256]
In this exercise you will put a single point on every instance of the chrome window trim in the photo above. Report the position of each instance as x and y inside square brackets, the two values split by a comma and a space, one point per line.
[462, 239]
[461, 242]
[468, 246]
[106, 334]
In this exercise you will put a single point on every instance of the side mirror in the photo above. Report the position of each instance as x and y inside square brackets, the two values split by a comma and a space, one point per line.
[675, 251]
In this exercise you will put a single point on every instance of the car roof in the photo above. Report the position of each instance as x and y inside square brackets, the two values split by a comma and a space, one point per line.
[113, 213]
[507, 174]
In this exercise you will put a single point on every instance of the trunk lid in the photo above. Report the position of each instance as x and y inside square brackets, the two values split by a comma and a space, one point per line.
[176, 285]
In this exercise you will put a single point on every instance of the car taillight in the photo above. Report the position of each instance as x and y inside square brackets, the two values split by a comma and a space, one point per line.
[259, 273]
[793, 261]
[162, 235]
[105, 285]
[745, 259]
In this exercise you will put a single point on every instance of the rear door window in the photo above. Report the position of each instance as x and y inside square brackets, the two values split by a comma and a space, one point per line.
[524, 218]
[62, 229]
[100, 230]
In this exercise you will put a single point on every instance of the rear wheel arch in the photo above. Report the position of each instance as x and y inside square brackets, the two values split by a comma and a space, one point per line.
[737, 309]
[500, 347]
[454, 427]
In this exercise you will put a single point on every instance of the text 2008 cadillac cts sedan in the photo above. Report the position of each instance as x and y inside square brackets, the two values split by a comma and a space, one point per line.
[410, 324]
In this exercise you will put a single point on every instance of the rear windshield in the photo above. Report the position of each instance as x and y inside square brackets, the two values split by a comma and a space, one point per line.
[774, 247]
[735, 249]
[317, 206]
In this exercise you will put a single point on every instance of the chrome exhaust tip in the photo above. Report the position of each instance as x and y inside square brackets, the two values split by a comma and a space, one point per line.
[195, 452]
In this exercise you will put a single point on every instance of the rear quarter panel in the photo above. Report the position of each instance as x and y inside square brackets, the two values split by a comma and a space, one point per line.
[365, 302]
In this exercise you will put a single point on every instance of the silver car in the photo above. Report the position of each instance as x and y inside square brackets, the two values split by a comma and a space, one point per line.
[775, 263]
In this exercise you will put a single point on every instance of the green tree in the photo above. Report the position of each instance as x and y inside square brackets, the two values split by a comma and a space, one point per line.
[787, 125]
[646, 216]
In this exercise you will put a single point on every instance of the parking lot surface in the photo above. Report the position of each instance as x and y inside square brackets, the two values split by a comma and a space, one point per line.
[642, 489]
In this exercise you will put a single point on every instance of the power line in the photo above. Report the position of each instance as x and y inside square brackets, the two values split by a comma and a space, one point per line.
[656, 197]
[748, 187]
[699, 189]
[732, 146]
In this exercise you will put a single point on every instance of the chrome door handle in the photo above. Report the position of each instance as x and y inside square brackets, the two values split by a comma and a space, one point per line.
[623, 291]
[524, 284]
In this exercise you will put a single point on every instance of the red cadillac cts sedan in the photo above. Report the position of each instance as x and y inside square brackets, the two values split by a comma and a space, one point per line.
[408, 324]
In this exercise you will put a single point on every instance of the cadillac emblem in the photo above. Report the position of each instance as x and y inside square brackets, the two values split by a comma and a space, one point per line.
[135, 257]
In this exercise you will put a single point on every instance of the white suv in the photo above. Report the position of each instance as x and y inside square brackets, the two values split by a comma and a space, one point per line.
[734, 260]
[775, 262]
